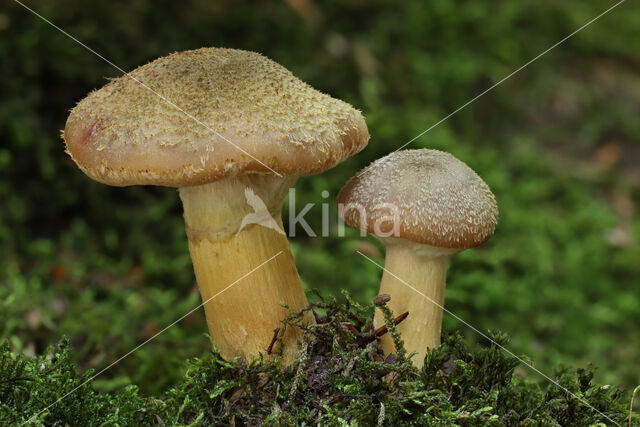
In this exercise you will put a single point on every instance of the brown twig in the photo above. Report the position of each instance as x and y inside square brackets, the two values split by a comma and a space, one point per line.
[367, 337]
[273, 340]
[383, 329]
[351, 328]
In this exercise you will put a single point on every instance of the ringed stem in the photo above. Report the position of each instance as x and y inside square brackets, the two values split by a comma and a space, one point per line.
[242, 319]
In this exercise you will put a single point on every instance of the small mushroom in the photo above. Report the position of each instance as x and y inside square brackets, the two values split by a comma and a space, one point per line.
[233, 130]
[424, 206]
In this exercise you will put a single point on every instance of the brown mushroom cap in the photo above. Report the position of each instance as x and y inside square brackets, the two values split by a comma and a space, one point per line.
[125, 134]
[441, 202]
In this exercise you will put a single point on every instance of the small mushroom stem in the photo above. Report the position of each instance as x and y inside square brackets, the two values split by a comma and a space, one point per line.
[424, 268]
[223, 248]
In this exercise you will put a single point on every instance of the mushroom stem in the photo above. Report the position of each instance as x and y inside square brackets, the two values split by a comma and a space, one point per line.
[423, 268]
[241, 319]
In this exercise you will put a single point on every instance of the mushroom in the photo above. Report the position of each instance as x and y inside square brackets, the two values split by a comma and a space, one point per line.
[233, 130]
[424, 206]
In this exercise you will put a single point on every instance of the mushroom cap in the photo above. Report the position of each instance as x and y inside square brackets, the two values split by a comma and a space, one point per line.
[440, 201]
[198, 116]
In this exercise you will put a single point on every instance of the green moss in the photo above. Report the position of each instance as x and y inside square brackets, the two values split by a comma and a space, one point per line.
[341, 378]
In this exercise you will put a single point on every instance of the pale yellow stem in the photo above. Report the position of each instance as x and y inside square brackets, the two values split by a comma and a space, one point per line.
[242, 319]
[426, 272]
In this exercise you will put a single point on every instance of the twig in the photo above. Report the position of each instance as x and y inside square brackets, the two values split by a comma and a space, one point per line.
[367, 337]
[273, 340]
[383, 329]
[351, 328]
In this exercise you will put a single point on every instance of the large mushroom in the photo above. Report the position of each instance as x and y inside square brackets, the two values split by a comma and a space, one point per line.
[424, 206]
[233, 130]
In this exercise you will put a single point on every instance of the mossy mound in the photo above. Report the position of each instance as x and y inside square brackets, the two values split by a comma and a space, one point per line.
[341, 378]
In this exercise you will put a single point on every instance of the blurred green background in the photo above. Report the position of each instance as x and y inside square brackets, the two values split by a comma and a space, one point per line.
[558, 144]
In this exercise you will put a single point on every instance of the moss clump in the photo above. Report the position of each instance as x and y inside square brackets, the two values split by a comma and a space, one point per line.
[341, 378]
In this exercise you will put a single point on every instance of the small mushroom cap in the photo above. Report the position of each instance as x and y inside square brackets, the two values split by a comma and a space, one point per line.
[439, 200]
[233, 112]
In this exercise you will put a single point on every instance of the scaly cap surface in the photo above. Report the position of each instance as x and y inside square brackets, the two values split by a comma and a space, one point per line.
[441, 202]
[125, 134]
